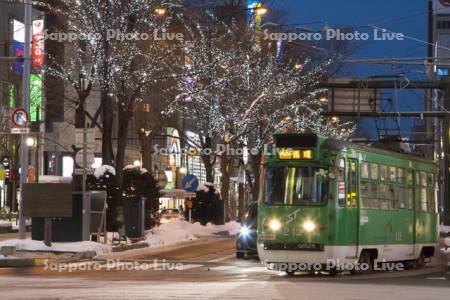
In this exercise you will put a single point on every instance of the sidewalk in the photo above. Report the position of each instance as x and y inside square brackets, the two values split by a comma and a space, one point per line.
[13, 235]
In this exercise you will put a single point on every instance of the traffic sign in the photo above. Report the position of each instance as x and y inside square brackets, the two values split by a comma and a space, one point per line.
[190, 183]
[16, 130]
[79, 171]
[90, 133]
[20, 118]
[90, 156]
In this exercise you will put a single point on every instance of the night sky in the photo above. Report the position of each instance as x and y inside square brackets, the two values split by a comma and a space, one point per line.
[404, 16]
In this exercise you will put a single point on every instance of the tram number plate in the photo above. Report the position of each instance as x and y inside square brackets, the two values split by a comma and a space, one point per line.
[266, 237]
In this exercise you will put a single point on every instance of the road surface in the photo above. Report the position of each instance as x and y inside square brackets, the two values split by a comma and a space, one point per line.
[207, 269]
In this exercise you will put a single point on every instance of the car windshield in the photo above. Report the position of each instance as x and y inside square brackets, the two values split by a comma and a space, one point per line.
[295, 186]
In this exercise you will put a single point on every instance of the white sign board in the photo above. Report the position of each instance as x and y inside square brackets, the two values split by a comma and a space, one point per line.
[90, 137]
[18, 130]
[441, 7]
[18, 31]
[89, 158]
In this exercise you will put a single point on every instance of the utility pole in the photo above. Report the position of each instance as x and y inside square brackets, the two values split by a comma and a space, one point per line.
[446, 150]
[25, 105]
[443, 114]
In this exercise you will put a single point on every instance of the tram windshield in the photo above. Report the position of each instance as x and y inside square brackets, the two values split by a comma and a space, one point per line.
[295, 186]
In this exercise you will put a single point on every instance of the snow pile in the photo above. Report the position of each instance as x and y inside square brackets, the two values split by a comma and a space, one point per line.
[131, 167]
[169, 234]
[54, 179]
[444, 229]
[99, 172]
[31, 245]
[176, 232]
[4, 223]
[205, 186]
[232, 228]
[447, 242]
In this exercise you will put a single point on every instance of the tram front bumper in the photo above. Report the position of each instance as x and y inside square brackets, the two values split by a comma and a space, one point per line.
[300, 253]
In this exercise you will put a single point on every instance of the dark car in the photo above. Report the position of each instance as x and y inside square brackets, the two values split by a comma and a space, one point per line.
[246, 240]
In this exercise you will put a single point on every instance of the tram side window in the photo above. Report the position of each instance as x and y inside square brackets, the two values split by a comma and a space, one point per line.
[373, 196]
[392, 174]
[400, 175]
[365, 202]
[384, 197]
[431, 193]
[393, 200]
[400, 196]
[401, 189]
[422, 191]
[409, 194]
[374, 171]
[383, 173]
[365, 170]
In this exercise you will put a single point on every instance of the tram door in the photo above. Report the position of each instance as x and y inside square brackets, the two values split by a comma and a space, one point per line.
[351, 202]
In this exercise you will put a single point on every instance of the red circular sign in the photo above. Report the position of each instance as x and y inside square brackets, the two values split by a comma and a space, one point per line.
[20, 117]
[445, 2]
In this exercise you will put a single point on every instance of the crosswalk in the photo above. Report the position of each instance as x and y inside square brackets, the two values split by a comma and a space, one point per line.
[214, 264]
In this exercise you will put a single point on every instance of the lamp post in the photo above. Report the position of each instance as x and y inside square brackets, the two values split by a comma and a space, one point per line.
[25, 104]
[86, 202]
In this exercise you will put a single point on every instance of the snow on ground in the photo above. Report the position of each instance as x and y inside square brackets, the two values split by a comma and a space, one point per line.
[205, 186]
[4, 223]
[31, 245]
[181, 231]
[168, 234]
[54, 179]
[12, 224]
[444, 229]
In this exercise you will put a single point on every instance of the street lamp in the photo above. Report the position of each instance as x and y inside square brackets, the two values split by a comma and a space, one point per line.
[160, 11]
[30, 141]
[323, 100]
[260, 10]
[334, 120]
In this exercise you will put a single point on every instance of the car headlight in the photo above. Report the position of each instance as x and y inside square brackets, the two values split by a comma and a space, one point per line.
[309, 226]
[245, 231]
[274, 225]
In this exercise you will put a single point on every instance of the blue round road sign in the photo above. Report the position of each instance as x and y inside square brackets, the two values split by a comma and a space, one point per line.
[190, 183]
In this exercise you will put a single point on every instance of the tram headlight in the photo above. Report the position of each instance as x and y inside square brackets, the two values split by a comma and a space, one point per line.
[309, 226]
[274, 225]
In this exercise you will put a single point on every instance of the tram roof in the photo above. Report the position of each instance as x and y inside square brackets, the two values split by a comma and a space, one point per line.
[339, 145]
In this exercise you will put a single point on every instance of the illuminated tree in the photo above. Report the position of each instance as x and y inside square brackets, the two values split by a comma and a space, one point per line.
[242, 93]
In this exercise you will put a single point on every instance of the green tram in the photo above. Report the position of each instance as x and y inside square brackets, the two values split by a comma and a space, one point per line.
[329, 202]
